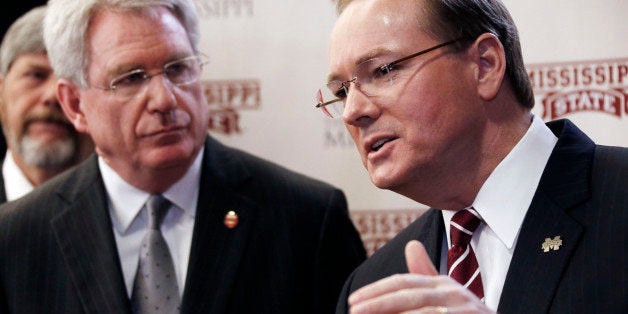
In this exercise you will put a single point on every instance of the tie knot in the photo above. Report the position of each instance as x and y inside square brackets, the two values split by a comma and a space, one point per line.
[156, 207]
[463, 224]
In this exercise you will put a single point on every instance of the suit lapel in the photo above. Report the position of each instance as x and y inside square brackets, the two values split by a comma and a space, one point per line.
[535, 273]
[83, 232]
[216, 249]
[431, 235]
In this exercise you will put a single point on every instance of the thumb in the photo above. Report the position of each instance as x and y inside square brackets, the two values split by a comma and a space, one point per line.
[417, 259]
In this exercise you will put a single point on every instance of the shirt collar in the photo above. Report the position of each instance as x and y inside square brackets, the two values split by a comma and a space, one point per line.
[16, 184]
[505, 197]
[126, 201]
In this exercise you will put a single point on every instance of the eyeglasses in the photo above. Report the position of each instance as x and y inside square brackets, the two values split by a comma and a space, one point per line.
[372, 78]
[179, 72]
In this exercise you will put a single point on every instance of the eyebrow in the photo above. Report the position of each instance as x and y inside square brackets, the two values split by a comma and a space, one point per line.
[128, 67]
[38, 67]
[372, 54]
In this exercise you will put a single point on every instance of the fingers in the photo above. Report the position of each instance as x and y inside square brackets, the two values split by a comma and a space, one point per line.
[403, 293]
[414, 293]
[417, 259]
[418, 263]
[388, 285]
[422, 290]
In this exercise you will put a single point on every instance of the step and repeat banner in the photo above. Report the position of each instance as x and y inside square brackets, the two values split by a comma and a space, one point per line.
[269, 57]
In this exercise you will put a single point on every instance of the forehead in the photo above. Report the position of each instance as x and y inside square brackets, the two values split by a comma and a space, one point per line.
[132, 38]
[370, 27]
[31, 59]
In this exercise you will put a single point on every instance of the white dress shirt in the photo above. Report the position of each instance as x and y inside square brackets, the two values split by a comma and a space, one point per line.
[16, 184]
[502, 203]
[128, 215]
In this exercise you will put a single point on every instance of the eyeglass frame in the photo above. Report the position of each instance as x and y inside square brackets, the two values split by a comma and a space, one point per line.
[202, 60]
[344, 84]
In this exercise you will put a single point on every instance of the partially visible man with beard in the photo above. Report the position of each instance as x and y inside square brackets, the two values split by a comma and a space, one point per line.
[41, 142]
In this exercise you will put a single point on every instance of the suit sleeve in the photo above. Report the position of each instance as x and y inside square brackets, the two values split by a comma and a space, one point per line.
[342, 306]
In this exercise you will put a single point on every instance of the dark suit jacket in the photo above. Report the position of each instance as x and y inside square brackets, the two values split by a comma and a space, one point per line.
[583, 198]
[3, 191]
[290, 253]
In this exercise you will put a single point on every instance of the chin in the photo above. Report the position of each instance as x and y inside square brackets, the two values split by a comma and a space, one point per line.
[383, 180]
[172, 156]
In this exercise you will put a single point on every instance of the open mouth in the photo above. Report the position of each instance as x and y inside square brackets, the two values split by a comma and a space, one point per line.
[377, 145]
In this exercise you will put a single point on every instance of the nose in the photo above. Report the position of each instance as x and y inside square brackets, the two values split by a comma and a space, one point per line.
[160, 92]
[360, 109]
[49, 93]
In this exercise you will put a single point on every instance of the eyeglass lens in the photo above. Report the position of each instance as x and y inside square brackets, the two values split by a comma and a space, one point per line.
[372, 77]
[179, 73]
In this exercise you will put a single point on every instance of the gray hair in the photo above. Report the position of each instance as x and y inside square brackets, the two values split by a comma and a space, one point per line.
[67, 22]
[451, 19]
[24, 36]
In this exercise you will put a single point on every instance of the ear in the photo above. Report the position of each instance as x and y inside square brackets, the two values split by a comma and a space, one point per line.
[68, 95]
[491, 60]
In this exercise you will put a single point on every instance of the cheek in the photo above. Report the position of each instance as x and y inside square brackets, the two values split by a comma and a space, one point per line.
[418, 114]
[106, 122]
[195, 104]
[427, 121]
[202, 116]
[437, 102]
[16, 110]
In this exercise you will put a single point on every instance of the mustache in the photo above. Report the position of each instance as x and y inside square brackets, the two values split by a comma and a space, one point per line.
[52, 116]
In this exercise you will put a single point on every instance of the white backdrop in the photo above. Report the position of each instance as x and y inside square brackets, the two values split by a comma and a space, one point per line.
[268, 58]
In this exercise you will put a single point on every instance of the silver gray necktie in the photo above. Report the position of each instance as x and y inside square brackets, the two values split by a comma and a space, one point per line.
[155, 289]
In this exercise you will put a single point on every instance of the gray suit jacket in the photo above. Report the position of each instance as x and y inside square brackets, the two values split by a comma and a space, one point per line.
[583, 198]
[290, 253]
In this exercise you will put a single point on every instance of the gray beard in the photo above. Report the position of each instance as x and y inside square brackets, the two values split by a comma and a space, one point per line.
[51, 156]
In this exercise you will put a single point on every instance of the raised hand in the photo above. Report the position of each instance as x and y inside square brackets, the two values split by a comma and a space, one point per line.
[422, 290]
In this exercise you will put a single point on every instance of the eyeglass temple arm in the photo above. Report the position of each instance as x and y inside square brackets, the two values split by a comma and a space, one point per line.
[424, 51]
[323, 104]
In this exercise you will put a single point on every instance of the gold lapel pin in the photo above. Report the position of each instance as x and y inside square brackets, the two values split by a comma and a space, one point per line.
[551, 244]
[231, 219]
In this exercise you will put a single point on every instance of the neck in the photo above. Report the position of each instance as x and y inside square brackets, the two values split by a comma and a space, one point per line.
[455, 188]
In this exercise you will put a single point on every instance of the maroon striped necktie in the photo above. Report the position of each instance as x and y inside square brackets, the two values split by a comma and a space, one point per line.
[461, 262]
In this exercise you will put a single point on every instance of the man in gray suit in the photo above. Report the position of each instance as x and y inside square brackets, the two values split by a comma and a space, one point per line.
[41, 141]
[244, 235]
[436, 96]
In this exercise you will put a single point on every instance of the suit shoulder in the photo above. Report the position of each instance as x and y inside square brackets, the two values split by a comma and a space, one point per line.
[609, 178]
[610, 168]
[48, 198]
[35, 204]
[612, 157]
